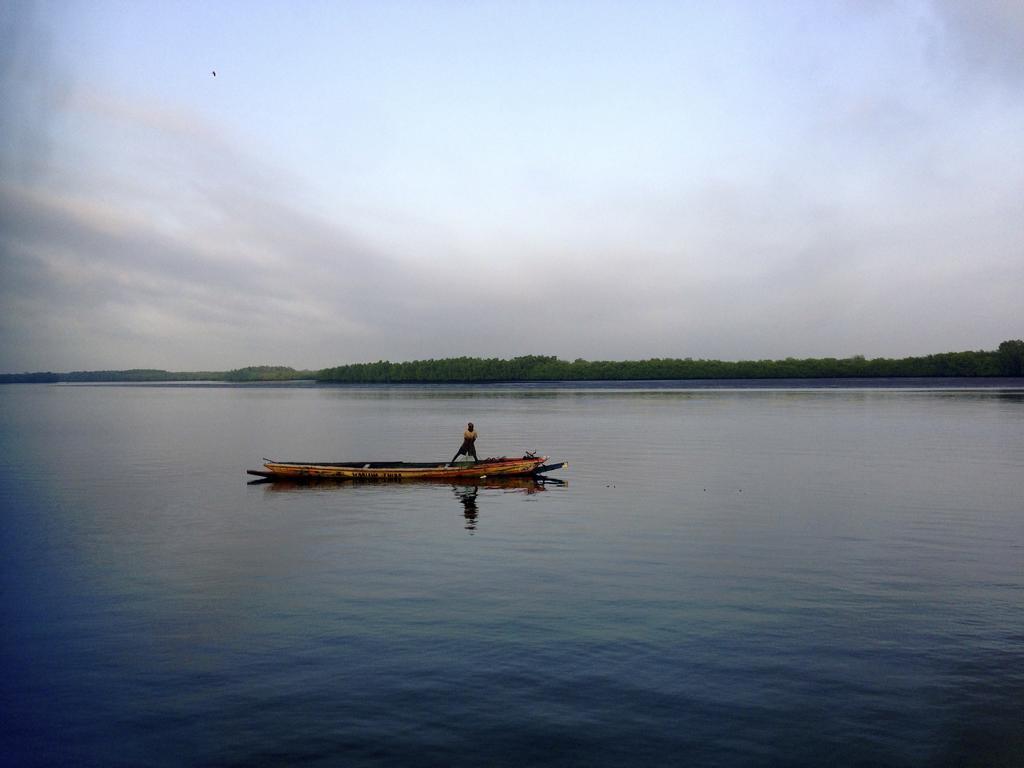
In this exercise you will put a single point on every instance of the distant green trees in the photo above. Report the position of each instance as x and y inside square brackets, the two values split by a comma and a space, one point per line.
[265, 373]
[469, 369]
[1007, 360]
[39, 377]
[136, 375]
[132, 375]
[153, 375]
[1011, 358]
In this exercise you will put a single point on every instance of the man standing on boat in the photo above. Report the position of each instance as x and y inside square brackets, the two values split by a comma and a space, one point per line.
[468, 446]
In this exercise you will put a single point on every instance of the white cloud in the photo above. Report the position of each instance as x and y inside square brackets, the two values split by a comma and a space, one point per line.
[834, 191]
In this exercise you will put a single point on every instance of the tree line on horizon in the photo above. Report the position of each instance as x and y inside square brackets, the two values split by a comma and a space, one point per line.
[1007, 360]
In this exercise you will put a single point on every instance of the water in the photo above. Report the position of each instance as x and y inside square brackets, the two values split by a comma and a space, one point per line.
[749, 577]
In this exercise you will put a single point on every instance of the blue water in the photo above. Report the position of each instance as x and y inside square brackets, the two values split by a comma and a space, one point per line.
[782, 576]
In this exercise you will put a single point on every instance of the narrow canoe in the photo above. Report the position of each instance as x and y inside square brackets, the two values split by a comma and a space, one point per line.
[461, 485]
[404, 470]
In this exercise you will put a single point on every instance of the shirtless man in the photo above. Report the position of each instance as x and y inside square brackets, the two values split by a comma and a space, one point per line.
[468, 444]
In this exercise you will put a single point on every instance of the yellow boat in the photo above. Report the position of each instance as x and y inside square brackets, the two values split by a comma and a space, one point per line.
[405, 470]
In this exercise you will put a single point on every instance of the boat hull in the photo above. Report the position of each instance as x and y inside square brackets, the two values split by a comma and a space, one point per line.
[525, 483]
[400, 470]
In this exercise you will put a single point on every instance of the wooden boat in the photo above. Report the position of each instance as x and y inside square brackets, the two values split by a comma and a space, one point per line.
[461, 485]
[405, 470]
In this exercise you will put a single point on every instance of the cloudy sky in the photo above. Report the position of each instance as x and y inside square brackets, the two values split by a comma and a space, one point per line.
[404, 180]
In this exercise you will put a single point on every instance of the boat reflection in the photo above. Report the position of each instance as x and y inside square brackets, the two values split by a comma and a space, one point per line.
[467, 493]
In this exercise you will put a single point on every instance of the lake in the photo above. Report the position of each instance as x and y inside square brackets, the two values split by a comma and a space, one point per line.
[731, 575]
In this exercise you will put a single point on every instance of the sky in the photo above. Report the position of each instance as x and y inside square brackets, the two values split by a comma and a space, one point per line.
[602, 180]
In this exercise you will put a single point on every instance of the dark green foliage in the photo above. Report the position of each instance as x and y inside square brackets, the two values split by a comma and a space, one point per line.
[138, 375]
[472, 369]
[30, 378]
[1011, 358]
[538, 368]
[1008, 360]
[265, 373]
[141, 375]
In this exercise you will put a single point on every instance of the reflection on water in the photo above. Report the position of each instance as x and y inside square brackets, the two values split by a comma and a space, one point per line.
[468, 498]
[467, 494]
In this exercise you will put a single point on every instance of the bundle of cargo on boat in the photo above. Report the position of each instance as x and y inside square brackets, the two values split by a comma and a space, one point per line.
[524, 466]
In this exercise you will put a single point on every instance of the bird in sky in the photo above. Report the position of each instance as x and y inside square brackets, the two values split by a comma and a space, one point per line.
[214, 73]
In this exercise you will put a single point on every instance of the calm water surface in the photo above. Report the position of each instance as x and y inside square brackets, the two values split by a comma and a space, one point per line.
[743, 577]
